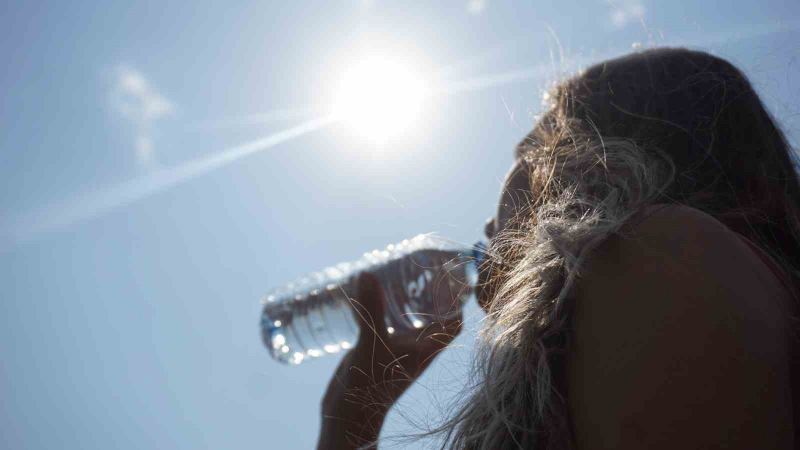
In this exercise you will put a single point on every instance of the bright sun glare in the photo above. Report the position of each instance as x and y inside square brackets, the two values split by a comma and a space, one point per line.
[379, 97]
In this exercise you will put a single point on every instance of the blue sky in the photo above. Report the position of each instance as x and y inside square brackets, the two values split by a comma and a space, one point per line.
[150, 192]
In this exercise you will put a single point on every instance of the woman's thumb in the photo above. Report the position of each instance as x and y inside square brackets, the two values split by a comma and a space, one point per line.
[369, 305]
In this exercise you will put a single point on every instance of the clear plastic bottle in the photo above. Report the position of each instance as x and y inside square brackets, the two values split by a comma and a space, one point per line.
[423, 278]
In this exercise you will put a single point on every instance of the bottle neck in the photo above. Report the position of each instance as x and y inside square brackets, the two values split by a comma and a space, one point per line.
[475, 257]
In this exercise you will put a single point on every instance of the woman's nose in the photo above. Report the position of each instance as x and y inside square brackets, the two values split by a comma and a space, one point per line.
[488, 229]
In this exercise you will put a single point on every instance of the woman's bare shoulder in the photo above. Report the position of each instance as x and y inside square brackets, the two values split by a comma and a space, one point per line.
[670, 224]
[675, 342]
[671, 237]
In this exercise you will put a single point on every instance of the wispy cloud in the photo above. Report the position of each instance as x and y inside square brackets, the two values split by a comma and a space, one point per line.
[137, 100]
[476, 6]
[623, 12]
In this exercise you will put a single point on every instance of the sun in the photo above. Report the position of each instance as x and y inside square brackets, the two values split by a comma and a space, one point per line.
[378, 97]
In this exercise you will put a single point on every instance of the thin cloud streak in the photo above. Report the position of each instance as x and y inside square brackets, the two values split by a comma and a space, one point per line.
[473, 62]
[85, 207]
[277, 115]
[493, 80]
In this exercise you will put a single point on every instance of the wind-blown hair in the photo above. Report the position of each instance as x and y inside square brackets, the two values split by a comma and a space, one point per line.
[664, 126]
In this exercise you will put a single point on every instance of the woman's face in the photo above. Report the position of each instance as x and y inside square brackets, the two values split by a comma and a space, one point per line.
[514, 196]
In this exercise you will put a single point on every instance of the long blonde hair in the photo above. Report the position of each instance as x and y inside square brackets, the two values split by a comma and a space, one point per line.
[604, 152]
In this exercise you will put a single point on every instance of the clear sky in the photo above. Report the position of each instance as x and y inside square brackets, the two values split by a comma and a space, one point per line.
[162, 164]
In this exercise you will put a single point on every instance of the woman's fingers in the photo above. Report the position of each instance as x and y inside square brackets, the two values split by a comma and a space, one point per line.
[369, 306]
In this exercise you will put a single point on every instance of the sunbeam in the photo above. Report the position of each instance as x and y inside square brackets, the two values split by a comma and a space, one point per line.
[277, 115]
[84, 207]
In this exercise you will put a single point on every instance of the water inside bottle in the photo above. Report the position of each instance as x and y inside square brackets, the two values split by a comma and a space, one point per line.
[315, 316]
[299, 323]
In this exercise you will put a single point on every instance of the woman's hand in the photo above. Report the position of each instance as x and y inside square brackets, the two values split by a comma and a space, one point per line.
[373, 375]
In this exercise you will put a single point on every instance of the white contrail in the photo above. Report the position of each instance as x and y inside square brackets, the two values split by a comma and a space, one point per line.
[87, 206]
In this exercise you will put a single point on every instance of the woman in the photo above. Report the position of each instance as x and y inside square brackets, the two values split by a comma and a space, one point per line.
[640, 283]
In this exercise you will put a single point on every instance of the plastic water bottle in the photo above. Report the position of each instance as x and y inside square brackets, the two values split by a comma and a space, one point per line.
[424, 279]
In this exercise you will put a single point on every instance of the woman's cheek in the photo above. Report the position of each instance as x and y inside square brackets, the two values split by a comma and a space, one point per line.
[484, 291]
